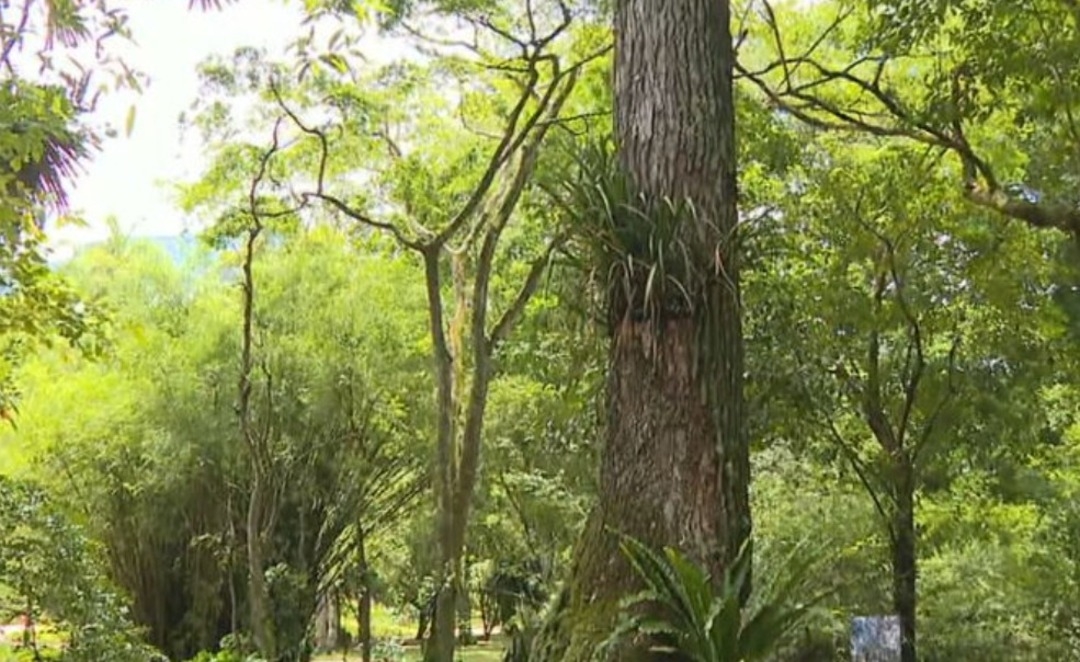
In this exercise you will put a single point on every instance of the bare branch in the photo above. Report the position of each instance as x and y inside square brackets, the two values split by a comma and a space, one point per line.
[473, 46]
[16, 36]
[324, 147]
[489, 25]
[1044, 215]
[509, 142]
[532, 20]
[334, 201]
[357, 215]
[778, 41]
[513, 138]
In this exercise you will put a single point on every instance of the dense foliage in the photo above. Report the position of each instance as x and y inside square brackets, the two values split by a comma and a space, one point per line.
[382, 357]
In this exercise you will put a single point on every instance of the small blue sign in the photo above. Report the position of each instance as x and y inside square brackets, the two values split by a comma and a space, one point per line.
[875, 639]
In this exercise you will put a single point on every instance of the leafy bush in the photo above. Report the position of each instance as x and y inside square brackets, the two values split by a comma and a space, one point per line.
[50, 571]
[234, 647]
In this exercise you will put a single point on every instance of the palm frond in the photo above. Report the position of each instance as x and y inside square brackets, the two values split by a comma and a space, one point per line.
[45, 147]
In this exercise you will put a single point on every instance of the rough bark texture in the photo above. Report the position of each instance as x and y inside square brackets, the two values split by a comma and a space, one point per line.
[675, 466]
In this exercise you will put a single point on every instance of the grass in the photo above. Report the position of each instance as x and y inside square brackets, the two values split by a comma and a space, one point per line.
[386, 624]
[482, 652]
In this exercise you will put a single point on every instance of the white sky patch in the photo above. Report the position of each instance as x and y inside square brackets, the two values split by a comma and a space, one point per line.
[129, 177]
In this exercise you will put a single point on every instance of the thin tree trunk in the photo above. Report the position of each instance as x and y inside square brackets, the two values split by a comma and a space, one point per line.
[234, 609]
[363, 615]
[258, 596]
[459, 458]
[464, 606]
[904, 561]
[439, 647]
[675, 466]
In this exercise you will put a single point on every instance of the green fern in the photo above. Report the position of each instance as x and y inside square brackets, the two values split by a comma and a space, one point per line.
[683, 612]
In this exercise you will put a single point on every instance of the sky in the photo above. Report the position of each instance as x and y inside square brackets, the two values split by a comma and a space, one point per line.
[128, 177]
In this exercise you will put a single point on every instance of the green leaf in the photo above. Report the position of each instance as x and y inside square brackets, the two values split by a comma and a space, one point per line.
[129, 122]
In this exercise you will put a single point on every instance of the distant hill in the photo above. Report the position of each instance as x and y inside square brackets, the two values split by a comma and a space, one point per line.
[178, 247]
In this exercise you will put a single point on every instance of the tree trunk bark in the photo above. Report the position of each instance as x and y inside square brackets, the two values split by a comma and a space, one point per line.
[904, 561]
[464, 606]
[363, 614]
[439, 647]
[675, 466]
[322, 625]
[258, 596]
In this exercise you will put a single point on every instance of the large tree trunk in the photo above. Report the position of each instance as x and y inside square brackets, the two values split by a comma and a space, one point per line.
[904, 560]
[675, 466]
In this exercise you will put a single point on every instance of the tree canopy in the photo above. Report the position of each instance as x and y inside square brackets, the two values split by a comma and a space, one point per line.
[497, 349]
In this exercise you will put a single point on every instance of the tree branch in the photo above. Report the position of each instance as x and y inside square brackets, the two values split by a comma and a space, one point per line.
[861, 471]
[950, 393]
[513, 138]
[319, 192]
[979, 184]
[514, 313]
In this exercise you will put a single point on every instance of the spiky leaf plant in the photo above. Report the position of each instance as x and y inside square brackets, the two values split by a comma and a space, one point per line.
[685, 615]
[636, 247]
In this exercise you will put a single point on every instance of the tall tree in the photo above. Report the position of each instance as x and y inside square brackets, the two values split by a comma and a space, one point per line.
[674, 469]
[456, 202]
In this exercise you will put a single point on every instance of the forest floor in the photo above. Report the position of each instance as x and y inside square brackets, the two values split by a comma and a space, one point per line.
[385, 625]
[491, 651]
